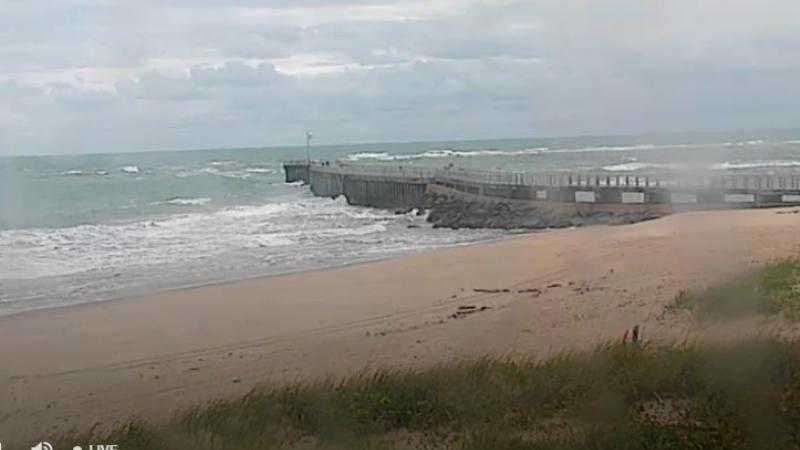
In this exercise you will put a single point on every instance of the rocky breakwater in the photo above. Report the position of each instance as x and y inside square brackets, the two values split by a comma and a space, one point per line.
[447, 212]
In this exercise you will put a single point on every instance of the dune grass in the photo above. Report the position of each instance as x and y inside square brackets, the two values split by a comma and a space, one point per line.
[742, 395]
[773, 289]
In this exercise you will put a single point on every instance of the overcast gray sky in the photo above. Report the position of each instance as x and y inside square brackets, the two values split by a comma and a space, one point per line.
[104, 75]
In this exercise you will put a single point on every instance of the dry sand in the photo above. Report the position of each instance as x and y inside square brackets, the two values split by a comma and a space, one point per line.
[560, 290]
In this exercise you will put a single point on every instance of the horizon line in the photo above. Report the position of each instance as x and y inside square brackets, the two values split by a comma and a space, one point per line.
[416, 141]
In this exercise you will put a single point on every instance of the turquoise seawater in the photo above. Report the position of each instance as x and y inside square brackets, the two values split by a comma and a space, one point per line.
[82, 228]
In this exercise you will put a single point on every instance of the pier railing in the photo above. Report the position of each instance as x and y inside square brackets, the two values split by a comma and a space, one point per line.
[393, 185]
[702, 180]
[424, 174]
[571, 179]
[691, 180]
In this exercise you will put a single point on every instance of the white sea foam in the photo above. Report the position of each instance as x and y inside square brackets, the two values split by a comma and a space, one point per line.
[130, 169]
[447, 153]
[259, 170]
[740, 165]
[726, 165]
[180, 239]
[382, 156]
[101, 172]
[223, 163]
[440, 153]
[749, 143]
[73, 172]
[34, 253]
[635, 166]
[358, 231]
[188, 201]
[221, 171]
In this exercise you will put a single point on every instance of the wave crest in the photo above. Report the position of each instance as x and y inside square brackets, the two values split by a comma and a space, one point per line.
[738, 165]
[130, 169]
[188, 201]
[442, 153]
[259, 170]
[447, 152]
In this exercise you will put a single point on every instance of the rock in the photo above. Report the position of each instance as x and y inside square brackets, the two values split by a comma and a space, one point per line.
[447, 212]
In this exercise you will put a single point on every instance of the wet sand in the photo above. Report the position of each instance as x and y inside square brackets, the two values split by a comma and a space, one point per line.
[527, 296]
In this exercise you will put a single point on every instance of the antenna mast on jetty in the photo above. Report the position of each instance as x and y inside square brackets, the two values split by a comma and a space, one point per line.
[308, 147]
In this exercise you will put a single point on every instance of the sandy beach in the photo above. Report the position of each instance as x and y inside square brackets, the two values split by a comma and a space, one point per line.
[533, 296]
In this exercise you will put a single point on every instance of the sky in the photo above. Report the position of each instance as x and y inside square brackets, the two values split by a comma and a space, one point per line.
[104, 75]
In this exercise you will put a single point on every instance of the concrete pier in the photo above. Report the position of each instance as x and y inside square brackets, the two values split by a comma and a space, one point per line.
[362, 185]
[398, 186]
[384, 193]
[295, 171]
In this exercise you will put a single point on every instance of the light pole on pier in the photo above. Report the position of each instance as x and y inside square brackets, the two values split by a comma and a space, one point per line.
[308, 147]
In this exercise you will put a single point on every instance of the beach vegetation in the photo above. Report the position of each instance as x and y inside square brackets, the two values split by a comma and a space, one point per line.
[742, 394]
[772, 289]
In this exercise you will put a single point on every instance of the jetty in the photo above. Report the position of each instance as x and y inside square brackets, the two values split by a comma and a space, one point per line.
[407, 186]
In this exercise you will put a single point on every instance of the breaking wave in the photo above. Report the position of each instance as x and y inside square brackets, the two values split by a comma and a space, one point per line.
[727, 165]
[737, 165]
[188, 201]
[441, 153]
[450, 153]
[223, 163]
[636, 166]
[259, 170]
[181, 238]
[130, 169]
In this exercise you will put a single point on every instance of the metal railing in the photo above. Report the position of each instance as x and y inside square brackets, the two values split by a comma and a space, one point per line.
[687, 180]
[576, 179]
[303, 162]
[427, 174]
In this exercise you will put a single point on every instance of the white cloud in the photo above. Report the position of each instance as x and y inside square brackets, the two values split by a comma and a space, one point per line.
[99, 75]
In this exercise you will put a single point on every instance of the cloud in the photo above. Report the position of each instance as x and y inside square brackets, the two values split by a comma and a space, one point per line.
[95, 75]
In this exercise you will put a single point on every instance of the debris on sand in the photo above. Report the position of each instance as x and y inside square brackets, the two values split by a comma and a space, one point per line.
[491, 291]
[529, 291]
[464, 311]
[635, 335]
[533, 291]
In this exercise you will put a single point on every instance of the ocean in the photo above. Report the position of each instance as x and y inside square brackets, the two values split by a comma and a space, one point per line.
[94, 227]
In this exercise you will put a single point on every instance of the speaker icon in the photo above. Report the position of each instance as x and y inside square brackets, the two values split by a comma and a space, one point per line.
[42, 446]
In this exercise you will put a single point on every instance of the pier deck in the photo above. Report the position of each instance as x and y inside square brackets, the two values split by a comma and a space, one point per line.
[397, 186]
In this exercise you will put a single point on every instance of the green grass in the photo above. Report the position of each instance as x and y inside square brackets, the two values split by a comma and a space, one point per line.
[774, 289]
[742, 395]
